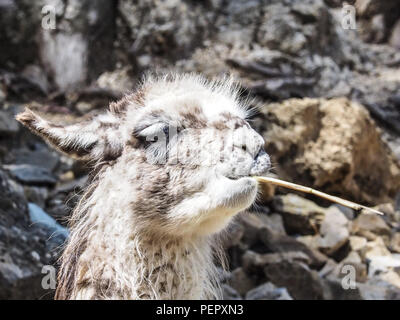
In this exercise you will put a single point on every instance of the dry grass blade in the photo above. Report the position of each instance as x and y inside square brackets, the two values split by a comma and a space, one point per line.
[320, 194]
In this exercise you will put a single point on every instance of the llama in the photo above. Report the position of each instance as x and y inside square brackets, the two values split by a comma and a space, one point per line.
[148, 223]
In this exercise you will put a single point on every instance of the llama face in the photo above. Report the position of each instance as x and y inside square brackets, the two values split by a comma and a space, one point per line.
[182, 154]
[210, 162]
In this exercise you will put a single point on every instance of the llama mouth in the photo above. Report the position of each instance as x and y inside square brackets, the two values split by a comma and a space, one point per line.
[238, 177]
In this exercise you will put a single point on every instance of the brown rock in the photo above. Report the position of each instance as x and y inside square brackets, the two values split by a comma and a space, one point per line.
[374, 249]
[395, 243]
[357, 243]
[316, 142]
[240, 281]
[372, 223]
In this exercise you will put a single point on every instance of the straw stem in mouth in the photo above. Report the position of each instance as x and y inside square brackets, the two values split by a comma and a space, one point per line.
[297, 187]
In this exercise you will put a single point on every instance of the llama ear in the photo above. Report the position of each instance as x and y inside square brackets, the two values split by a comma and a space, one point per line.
[93, 139]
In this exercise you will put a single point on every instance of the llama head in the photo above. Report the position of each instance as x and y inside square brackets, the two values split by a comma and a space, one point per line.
[179, 152]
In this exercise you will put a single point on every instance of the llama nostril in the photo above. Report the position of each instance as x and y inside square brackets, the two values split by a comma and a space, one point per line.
[261, 163]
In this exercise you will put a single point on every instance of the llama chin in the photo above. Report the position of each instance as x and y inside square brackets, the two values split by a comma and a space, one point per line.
[146, 226]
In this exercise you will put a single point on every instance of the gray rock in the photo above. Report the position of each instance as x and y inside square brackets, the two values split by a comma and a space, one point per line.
[8, 125]
[268, 291]
[229, 293]
[233, 236]
[300, 281]
[40, 217]
[301, 216]
[40, 156]
[241, 281]
[282, 243]
[31, 175]
[274, 221]
[334, 231]
[376, 289]
[25, 248]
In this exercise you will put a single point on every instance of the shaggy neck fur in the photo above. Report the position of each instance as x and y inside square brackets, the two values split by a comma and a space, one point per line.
[111, 256]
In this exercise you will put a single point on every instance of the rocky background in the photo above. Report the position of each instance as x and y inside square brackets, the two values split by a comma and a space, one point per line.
[329, 110]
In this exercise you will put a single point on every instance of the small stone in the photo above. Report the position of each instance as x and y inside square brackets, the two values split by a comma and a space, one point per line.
[348, 212]
[395, 36]
[370, 222]
[252, 259]
[229, 293]
[282, 243]
[375, 249]
[378, 290]
[274, 221]
[251, 223]
[240, 281]
[8, 125]
[392, 278]
[233, 236]
[334, 231]
[301, 216]
[357, 243]
[353, 259]
[395, 243]
[382, 264]
[268, 291]
[35, 256]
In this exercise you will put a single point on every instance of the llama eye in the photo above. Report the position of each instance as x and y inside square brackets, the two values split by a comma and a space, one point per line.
[152, 139]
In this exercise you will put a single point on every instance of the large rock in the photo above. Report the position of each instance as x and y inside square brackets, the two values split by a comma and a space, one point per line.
[19, 20]
[369, 10]
[31, 175]
[69, 53]
[163, 30]
[316, 142]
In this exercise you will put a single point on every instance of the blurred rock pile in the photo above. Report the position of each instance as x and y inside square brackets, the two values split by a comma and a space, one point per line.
[329, 112]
